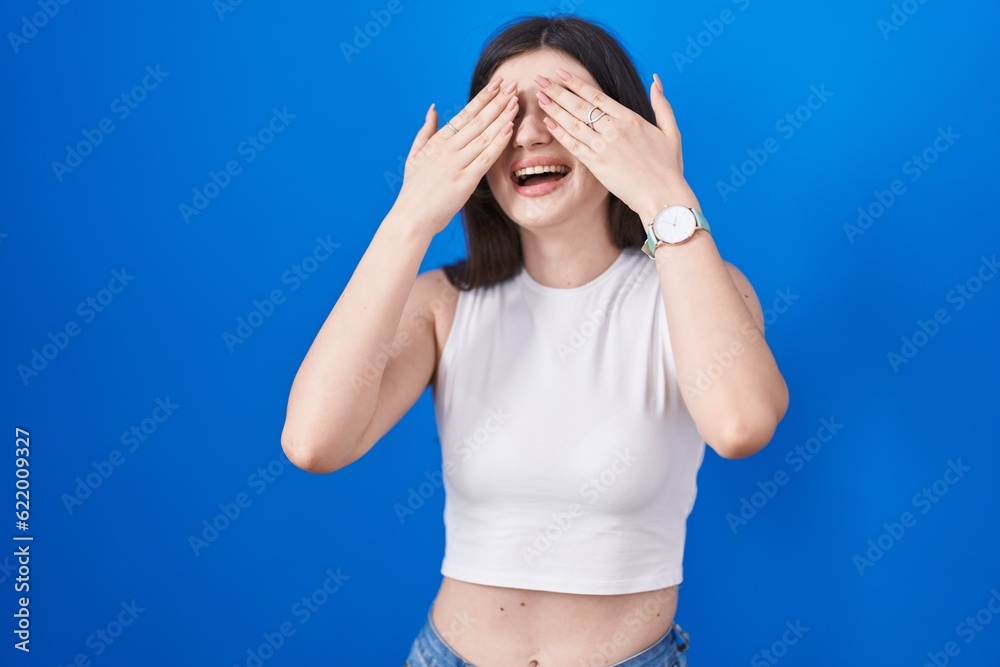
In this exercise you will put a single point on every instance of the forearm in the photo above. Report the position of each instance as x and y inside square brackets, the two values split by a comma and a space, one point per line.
[335, 390]
[729, 378]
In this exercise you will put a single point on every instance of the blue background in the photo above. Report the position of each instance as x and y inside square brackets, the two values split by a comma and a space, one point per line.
[332, 172]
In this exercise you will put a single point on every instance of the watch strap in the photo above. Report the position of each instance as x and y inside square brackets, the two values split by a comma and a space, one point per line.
[700, 221]
[649, 247]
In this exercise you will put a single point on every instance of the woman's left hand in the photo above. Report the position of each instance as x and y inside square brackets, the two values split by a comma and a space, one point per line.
[638, 162]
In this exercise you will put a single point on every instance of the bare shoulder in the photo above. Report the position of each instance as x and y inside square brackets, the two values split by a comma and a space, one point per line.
[435, 294]
[747, 292]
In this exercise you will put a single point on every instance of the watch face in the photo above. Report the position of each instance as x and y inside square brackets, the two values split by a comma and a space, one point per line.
[674, 224]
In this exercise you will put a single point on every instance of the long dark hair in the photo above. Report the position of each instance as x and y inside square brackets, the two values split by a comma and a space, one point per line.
[493, 241]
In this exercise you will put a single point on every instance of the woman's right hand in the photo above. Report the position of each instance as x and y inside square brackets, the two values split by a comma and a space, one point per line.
[443, 167]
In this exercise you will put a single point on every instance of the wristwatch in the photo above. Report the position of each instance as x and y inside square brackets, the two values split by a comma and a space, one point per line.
[674, 224]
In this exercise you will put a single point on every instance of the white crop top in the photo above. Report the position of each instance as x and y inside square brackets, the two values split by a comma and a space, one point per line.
[568, 454]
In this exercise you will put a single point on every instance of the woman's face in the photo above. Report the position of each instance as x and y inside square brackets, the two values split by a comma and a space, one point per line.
[544, 199]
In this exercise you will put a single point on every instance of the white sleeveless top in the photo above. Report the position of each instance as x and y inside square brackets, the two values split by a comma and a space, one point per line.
[568, 454]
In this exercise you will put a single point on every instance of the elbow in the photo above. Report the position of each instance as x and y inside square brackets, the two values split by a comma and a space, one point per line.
[750, 430]
[742, 437]
[307, 456]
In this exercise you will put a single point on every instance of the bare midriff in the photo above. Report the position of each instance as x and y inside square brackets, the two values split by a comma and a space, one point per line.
[492, 626]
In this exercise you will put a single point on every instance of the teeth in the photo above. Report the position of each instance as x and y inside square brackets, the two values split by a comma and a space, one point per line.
[543, 169]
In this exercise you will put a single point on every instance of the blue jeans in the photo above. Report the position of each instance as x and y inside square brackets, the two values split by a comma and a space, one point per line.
[430, 650]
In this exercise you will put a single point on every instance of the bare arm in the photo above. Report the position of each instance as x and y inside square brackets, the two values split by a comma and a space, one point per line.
[361, 346]
[729, 378]
[711, 308]
[715, 321]
[375, 353]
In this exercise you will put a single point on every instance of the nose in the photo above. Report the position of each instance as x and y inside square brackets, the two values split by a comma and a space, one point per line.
[529, 130]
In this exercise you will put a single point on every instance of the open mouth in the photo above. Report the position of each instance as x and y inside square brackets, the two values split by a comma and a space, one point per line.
[530, 176]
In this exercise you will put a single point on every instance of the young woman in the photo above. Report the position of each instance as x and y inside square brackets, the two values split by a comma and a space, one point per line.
[581, 357]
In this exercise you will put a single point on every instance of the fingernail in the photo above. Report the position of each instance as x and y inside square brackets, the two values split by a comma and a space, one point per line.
[542, 97]
[495, 84]
[511, 104]
[549, 123]
[542, 81]
[510, 89]
[563, 74]
[659, 84]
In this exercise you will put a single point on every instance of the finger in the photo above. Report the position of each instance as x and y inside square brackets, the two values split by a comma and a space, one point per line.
[426, 132]
[661, 107]
[496, 107]
[472, 109]
[665, 119]
[573, 104]
[589, 94]
[482, 162]
[569, 125]
[485, 141]
[579, 150]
